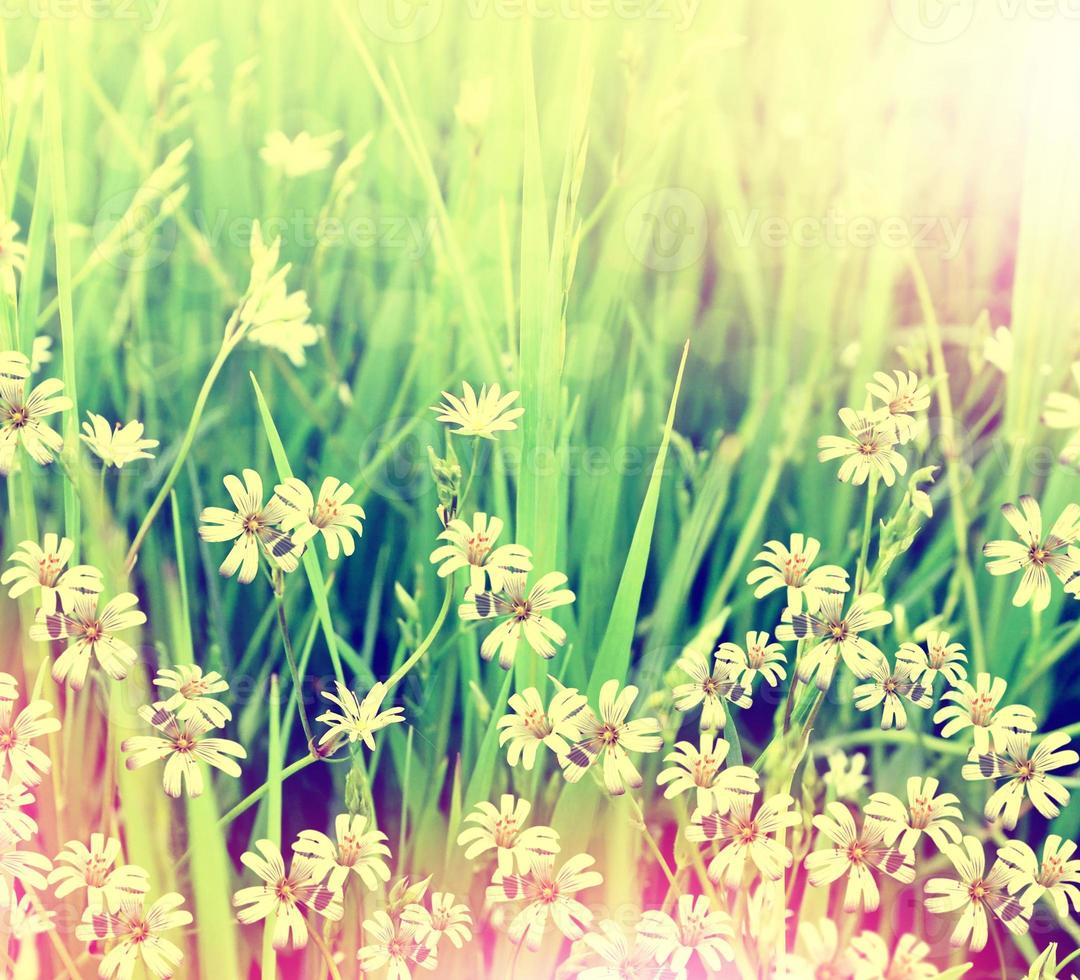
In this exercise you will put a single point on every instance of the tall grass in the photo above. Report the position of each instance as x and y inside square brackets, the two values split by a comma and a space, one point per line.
[622, 187]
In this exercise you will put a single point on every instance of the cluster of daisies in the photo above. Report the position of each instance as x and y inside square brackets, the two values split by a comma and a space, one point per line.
[110, 896]
[746, 832]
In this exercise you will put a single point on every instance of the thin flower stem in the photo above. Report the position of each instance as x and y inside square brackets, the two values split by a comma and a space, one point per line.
[185, 447]
[472, 472]
[789, 703]
[255, 796]
[950, 449]
[868, 526]
[425, 644]
[1000, 951]
[514, 959]
[653, 846]
[283, 627]
[327, 956]
[1068, 959]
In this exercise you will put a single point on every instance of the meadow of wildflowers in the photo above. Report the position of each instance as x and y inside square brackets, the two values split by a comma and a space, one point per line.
[539, 490]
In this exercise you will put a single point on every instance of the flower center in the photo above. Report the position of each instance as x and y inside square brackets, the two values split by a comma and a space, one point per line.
[609, 734]
[522, 610]
[920, 813]
[505, 832]
[477, 548]
[252, 524]
[326, 512]
[537, 723]
[18, 416]
[747, 833]
[7, 739]
[48, 570]
[1038, 554]
[794, 569]
[982, 707]
[856, 852]
[977, 890]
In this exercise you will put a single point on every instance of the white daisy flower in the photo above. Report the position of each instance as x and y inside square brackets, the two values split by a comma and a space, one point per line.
[838, 636]
[332, 515]
[854, 853]
[40, 353]
[13, 822]
[252, 526]
[269, 314]
[396, 946]
[358, 720]
[1025, 774]
[183, 745]
[1035, 554]
[1056, 878]
[1062, 411]
[759, 657]
[926, 812]
[191, 689]
[26, 919]
[939, 657]
[136, 932]
[523, 615]
[12, 251]
[743, 834]
[20, 760]
[698, 768]
[869, 450]
[822, 955]
[444, 918]
[473, 548]
[504, 830]
[545, 893]
[900, 395]
[44, 567]
[977, 708]
[94, 868]
[92, 635]
[973, 893]
[872, 960]
[285, 896]
[608, 954]
[118, 445]
[482, 415]
[358, 851]
[889, 688]
[789, 567]
[303, 154]
[22, 413]
[846, 775]
[611, 737]
[696, 930]
[998, 349]
[709, 688]
[530, 725]
[28, 868]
